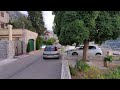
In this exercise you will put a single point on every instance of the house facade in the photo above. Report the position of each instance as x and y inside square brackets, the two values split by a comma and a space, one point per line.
[4, 19]
[48, 34]
[20, 35]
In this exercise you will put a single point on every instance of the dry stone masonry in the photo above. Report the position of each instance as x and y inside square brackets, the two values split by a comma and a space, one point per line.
[3, 49]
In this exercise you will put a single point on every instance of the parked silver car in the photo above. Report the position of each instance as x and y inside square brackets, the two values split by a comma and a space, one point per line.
[51, 52]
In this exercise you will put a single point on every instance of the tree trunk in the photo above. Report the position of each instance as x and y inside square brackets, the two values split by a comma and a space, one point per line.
[105, 64]
[85, 49]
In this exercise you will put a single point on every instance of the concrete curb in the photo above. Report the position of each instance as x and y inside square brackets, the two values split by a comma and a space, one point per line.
[65, 72]
[22, 56]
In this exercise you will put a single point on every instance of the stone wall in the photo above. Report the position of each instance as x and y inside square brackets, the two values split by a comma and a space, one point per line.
[3, 49]
[6, 49]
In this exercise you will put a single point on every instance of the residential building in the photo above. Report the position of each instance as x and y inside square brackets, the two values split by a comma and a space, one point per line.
[48, 34]
[4, 19]
[20, 36]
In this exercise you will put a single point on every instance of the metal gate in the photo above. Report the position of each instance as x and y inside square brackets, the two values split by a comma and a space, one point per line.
[31, 41]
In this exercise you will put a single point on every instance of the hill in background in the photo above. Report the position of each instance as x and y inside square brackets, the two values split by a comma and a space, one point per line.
[15, 15]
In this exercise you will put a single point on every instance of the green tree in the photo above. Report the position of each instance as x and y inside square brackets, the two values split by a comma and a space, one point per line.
[39, 42]
[37, 21]
[50, 41]
[22, 21]
[85, 26]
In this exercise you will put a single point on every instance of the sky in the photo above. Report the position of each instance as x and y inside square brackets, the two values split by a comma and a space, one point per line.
[48, 18]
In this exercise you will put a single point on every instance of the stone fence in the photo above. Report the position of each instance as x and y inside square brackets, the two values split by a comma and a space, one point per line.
[3, 49]
[6, 49]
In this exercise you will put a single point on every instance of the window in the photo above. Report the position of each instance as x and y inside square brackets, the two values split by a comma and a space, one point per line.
[81, 48]
[50, 49]
[2, 14]
[45, 38]
[2, 25]
[92, 47]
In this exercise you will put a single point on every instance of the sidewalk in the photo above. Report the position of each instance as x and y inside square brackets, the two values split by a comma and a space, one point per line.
[28, 54]
[22, 56]
[35, 52]
[6, 61]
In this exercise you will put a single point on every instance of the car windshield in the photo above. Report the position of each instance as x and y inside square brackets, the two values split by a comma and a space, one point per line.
[50, 49]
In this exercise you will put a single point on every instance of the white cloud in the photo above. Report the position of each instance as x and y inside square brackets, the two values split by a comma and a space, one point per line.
[24, 12]
[48, 18]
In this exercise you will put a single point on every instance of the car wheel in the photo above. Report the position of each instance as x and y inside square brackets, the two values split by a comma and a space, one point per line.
[58, 57]
[74, 53]
[44, 58]
[98, 53]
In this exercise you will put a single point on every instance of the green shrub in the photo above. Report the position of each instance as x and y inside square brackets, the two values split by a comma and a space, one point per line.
[82, 66]
[73, 71]
[39, 42]
[49, 41]
[108, 58]
[113, 74]
[93, 73]
[28, 47]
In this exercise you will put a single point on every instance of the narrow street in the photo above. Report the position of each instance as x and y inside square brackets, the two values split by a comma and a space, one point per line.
[32, 67]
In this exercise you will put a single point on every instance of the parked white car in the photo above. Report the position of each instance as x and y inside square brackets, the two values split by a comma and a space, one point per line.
[92, 51]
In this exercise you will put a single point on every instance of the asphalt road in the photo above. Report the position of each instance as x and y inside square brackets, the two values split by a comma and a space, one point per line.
[32, 67]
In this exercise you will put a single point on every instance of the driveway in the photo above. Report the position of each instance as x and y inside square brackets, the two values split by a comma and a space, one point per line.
[32, 67]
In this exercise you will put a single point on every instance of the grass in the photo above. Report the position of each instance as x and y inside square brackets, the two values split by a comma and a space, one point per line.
[73, 71]
[82, 66]
[79, 72]
[113, 74]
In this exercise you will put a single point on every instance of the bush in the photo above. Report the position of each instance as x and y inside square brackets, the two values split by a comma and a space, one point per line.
[93, 73]
[39, 42]
[73, 71]
[28, 47]
[49, 41]
[82, 66]
[108, 58]
[113, 74]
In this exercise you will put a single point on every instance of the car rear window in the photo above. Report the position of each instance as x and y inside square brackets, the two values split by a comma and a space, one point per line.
[92, 47]
[50, 49]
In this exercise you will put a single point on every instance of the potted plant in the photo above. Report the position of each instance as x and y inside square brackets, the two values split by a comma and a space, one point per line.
[108, 58]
